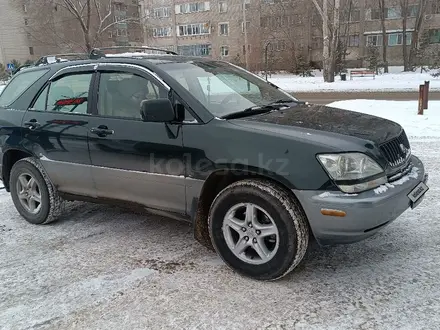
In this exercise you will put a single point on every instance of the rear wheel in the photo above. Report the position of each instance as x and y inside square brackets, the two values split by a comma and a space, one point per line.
[258, 229]
[33, 194]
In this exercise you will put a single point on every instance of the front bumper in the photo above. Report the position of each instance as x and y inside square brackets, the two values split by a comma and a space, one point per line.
[366, 213]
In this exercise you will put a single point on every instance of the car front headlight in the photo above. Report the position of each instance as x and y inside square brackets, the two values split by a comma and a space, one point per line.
[353, 172]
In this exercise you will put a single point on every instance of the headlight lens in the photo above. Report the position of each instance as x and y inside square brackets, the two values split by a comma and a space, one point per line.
[352, 166]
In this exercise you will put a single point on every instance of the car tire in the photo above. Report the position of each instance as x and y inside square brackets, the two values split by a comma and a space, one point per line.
[249, 249]
[38, 201]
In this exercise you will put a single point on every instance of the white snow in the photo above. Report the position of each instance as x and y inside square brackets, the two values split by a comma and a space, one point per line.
[402, 112]
[138, 54]
[329, 194]
[395, 81]
[1, 88]
[411, 175]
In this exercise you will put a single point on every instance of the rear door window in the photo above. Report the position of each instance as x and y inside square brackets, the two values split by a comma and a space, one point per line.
[67, 94]
[18, 85]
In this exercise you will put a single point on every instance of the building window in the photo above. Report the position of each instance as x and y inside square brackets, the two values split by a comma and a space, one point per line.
[31, 50]
[435, 9]
[193, 7]
[193, 29]
[26, 22]
[110, 34]
[434, 36]
[412, 11]
[223, 6]
[120, 7]
[374, 40]
[270, 2]
[223, 29]
[353, 40]
[247, 4]
[161, 12]
[277, 45]
[373, 14]
[194, 50]
[121, 32]
[317, 43]
[162, 32]
[25, 8]
[316, 19]
[248, 48]
[393, 12]
[248, 26]
[355, 15]
[396, 39]
[224, 50]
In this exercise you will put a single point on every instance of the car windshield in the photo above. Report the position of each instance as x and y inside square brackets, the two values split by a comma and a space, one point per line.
[224, 88]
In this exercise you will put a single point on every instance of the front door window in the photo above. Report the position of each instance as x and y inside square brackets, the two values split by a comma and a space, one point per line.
[121, 94]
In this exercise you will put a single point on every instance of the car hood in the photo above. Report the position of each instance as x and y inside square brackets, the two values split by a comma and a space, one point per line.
[334, 120]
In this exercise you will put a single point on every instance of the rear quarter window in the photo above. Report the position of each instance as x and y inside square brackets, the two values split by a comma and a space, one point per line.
[18, 85]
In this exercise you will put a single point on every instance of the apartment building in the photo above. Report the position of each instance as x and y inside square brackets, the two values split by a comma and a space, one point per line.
[286, 30]
[364, 28]
[203, 28]
[13, 39]
[33, 28]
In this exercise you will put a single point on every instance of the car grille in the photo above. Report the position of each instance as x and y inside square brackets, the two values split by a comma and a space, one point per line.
[397, 151]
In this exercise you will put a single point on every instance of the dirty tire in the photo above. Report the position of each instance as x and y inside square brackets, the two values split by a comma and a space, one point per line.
[286, 213]
[51, 203]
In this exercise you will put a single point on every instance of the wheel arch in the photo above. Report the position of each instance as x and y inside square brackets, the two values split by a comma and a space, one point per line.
[214, 184]
[10, 157]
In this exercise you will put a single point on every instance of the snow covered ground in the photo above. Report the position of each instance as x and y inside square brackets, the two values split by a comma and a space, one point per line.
[402, 112]
[395, 81]
[1, 88]
[104, 267]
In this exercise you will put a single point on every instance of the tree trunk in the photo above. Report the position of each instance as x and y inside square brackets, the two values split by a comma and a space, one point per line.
[384, 35]
[404, 13]
[326, 40]
[418, 28]
[335, 40]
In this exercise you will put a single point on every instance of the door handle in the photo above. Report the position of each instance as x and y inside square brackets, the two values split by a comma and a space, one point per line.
[102, 131]
[31, 124]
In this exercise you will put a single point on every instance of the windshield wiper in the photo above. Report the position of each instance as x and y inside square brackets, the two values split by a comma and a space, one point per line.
[287, 101]
[250, 111]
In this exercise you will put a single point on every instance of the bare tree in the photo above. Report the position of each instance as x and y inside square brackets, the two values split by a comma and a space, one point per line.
[409, 55]
[382, 13]
[92, 18]
[418, 31]
[330, 28]
[404, 14]
[282, 29]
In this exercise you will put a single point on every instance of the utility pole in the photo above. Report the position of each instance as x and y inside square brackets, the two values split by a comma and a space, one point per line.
[246, 51]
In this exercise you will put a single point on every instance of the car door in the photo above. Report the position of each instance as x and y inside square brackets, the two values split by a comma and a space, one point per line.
[56, 127]
[133, 160]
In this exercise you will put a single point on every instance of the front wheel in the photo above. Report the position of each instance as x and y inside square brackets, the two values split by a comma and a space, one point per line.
[258, 229]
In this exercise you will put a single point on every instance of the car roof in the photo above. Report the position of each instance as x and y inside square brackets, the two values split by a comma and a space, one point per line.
[130, 58]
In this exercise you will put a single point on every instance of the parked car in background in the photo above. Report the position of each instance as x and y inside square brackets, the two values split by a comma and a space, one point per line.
[257, 172]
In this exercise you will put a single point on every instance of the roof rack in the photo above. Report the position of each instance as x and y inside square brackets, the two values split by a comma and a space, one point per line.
[57, 58]
[98, 52]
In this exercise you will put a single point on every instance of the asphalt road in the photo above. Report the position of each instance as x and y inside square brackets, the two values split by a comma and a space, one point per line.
[328, 97]
[103, 267]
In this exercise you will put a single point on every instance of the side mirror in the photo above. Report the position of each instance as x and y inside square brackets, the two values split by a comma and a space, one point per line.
[159, 110]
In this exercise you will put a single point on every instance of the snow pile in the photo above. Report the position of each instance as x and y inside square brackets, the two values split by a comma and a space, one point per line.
[397, 82]
[2, 87]
[401, 112]
[414, 174]
[329, 194]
